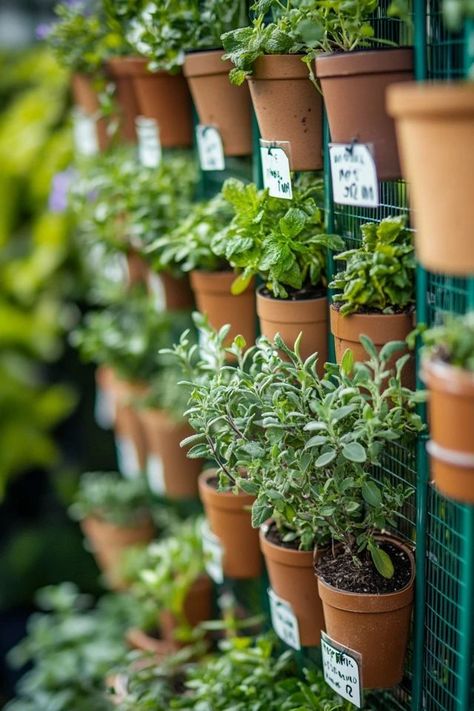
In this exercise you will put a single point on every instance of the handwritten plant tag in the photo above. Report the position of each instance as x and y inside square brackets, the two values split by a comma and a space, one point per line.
[342, 670]
[149, 143]
[213, 554]
[210, 148]
[276, 169]
[284, 620]
[86, 140]
[354, 174]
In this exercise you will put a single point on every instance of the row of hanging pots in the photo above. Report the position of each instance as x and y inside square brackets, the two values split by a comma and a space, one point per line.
[169, 293]
[148, 440]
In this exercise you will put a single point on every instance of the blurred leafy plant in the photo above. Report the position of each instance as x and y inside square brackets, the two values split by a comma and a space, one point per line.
[452, 341]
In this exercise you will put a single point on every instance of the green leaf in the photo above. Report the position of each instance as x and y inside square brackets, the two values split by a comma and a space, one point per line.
[347, 362]
[368, 345]
[325, 458]
[240, 284]
[371, 493]
[261, 512]
[382, 562]
[316, 441]
[354, 452]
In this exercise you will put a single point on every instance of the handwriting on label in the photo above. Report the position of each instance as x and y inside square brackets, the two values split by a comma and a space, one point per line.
[149, 143]
[212, 554]
[276, 170]
[284, 620]
[86, 140]
[210, 148]
[354, 175]
[341, 668]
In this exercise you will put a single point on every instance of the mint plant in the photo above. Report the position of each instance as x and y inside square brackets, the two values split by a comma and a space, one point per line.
[112, 498]
[380, 274]
[452, 342]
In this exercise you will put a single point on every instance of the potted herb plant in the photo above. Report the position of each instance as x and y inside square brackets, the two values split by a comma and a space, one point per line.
[376, 289]
[190, 248]
[270, 56]
[282, 242]
[448, 371]
[115, 515]
[174, 584]
[354, 82]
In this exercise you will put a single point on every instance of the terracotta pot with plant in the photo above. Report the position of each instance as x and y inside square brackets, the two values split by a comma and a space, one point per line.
[287, 104]
[115, 516]
[282, 242]
[376, 291]
[229, 516]
[448, 371]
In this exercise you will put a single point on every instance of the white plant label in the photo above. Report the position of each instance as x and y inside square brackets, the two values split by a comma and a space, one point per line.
[155, 474]
[104, 410]
[210, 148]
[276, 170]
[284, 620]
[86, 140]
[354, 174]
[341, 667]
[149, 143]
[157, 289]
[127, 457]
[212, 554]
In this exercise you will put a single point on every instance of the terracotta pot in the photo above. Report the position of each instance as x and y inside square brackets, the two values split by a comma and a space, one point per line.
[143, 642]
[86, 98]
[380, 328]
[451, 414]
[137, 268]
[117, 68]
[170, 293]
[288, 107]
[291, 576]
[213, 297]
[354, 85]
[108, 543]
[289, 318]
[220, 103]
[435, 128]
[230, 519]
[376, 626]
[129, 431]
[197, 608]
[177, 473]
[165, 98]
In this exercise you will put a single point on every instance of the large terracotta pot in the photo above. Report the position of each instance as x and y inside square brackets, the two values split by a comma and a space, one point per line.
[292, 578]
[86, 98]
[230, 519]
[164, 97]
[213, 298]
[168, 464]
[168, 292]
[220, 103]
[108, 543]
[289, 318]
[354, 85]
[197, 608]
[117, 68]
[129, 432]
[380, 328]
[435, 128]
[288, 107]
[451, 417]
[376, 626]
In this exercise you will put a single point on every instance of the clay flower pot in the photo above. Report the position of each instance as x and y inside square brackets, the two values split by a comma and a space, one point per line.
[213, 298]
[376, 626]
[435, 128]
[354, 85]
[292, 578]
[230, 519]
[143, 642]
[451, 414]
[165, 98]
[86, 98]
[288, 107]
[168, 465]
[220, 103]
[117, 68]
[169, 293]
[197, 608]
[289, 318]
[380, 328]
[137, 268]
[129, 432]
[109, 541]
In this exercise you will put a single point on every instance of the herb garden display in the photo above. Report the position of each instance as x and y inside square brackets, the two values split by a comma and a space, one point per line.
[290, 391]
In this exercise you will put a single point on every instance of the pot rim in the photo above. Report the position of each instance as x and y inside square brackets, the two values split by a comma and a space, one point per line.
[435, 99]
[206, 63]
[279, 299]
[385, 60]
[240, 499]
[276, 67]
[294, 558]
[447, 378]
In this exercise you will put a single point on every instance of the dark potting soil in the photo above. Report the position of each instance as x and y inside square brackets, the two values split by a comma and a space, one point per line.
[337, 305]
[304, 294]
[273, 536]
[342, 573]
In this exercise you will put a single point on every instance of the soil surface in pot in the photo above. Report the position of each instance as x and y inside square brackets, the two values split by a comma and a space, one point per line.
[343, 573]
[304, 294]
[273, 536]
[337, 306]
